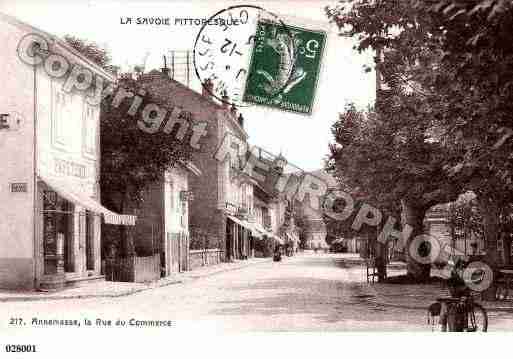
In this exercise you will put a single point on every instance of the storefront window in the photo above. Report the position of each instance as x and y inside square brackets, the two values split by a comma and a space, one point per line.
[57, 234]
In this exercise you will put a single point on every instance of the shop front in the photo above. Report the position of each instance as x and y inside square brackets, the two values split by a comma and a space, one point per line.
[69, 226]
[240, 237]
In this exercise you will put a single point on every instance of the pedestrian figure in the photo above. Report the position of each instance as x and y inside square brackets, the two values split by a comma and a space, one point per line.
[277, 254]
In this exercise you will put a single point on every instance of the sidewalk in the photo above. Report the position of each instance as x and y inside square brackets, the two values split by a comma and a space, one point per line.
[352, 259]
[420, 296]
[105, 289]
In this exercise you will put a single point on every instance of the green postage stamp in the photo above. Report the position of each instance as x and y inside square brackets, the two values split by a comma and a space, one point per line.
[284, 68]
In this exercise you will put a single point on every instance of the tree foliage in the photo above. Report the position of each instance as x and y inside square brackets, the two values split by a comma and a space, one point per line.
[442, 118]
[92, 51]
[131, 157]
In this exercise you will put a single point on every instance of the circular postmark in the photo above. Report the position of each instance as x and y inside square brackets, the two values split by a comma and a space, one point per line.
[223, 49]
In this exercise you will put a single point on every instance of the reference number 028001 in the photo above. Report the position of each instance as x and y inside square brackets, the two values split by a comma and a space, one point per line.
[20, 348]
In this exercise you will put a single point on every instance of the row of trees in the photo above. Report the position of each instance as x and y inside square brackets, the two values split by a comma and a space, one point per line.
[443, 112]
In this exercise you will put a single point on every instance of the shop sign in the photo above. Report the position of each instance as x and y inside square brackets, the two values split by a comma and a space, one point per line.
[19, 187]
[10, 121]
[70, 168]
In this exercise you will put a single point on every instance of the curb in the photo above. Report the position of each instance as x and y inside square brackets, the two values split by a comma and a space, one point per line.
[194, 277]
[123, 293]
[86, 296]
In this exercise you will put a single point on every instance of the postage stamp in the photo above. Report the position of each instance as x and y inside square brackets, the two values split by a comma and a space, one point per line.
[221, 53]
[285, 66]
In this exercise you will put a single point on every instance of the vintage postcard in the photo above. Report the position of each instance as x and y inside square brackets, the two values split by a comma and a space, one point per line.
[177, 174]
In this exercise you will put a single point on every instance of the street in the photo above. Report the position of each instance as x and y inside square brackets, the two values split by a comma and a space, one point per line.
[319, 292]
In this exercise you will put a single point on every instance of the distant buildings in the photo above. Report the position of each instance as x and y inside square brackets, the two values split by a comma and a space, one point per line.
[276, 211]
[315, 231]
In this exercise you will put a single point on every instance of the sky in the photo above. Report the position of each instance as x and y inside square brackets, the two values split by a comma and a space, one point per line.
[303, 140]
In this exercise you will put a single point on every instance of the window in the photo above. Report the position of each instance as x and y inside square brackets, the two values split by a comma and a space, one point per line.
[244, 196]
[171, 196]
[61, 116]
[183, 213]
[90, 115]
[234, 163]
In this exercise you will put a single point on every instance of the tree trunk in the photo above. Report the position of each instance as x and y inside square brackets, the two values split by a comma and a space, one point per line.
[413, 215]
[381, 260]
[380, 251]
[490, 212]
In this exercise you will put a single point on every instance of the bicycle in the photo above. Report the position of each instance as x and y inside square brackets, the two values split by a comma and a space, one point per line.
[459, 314]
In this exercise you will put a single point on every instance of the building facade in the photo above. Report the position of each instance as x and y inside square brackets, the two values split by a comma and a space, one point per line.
[163, 219]
[49, 195]
[277, 209]
[222, 208]
[316, 229]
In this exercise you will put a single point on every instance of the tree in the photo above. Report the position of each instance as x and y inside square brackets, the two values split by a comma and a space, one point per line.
[92, 51]
[466, 222]
[133, 158]
[394, 152]
[391, 163]
[447, 94]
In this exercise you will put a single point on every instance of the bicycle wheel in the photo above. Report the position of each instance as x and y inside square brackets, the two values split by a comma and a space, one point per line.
[478, 319]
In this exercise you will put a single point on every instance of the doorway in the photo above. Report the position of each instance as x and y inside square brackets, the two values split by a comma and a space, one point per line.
[58, 234]
[89, 240]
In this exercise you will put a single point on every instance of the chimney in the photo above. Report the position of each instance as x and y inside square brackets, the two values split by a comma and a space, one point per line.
[240, 119]
[165, 69]
[207, 89]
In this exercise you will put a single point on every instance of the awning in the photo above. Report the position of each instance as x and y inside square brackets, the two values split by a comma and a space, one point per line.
[236, 220]
[75, 195]
[260, 231]
[242, 223]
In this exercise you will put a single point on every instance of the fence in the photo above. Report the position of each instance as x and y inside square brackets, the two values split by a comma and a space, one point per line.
[177, 253]
[133, 269]
[204, 257]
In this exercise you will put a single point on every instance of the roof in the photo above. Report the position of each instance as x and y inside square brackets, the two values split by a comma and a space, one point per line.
[156, 74]
[172, 83]
[91, 65]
